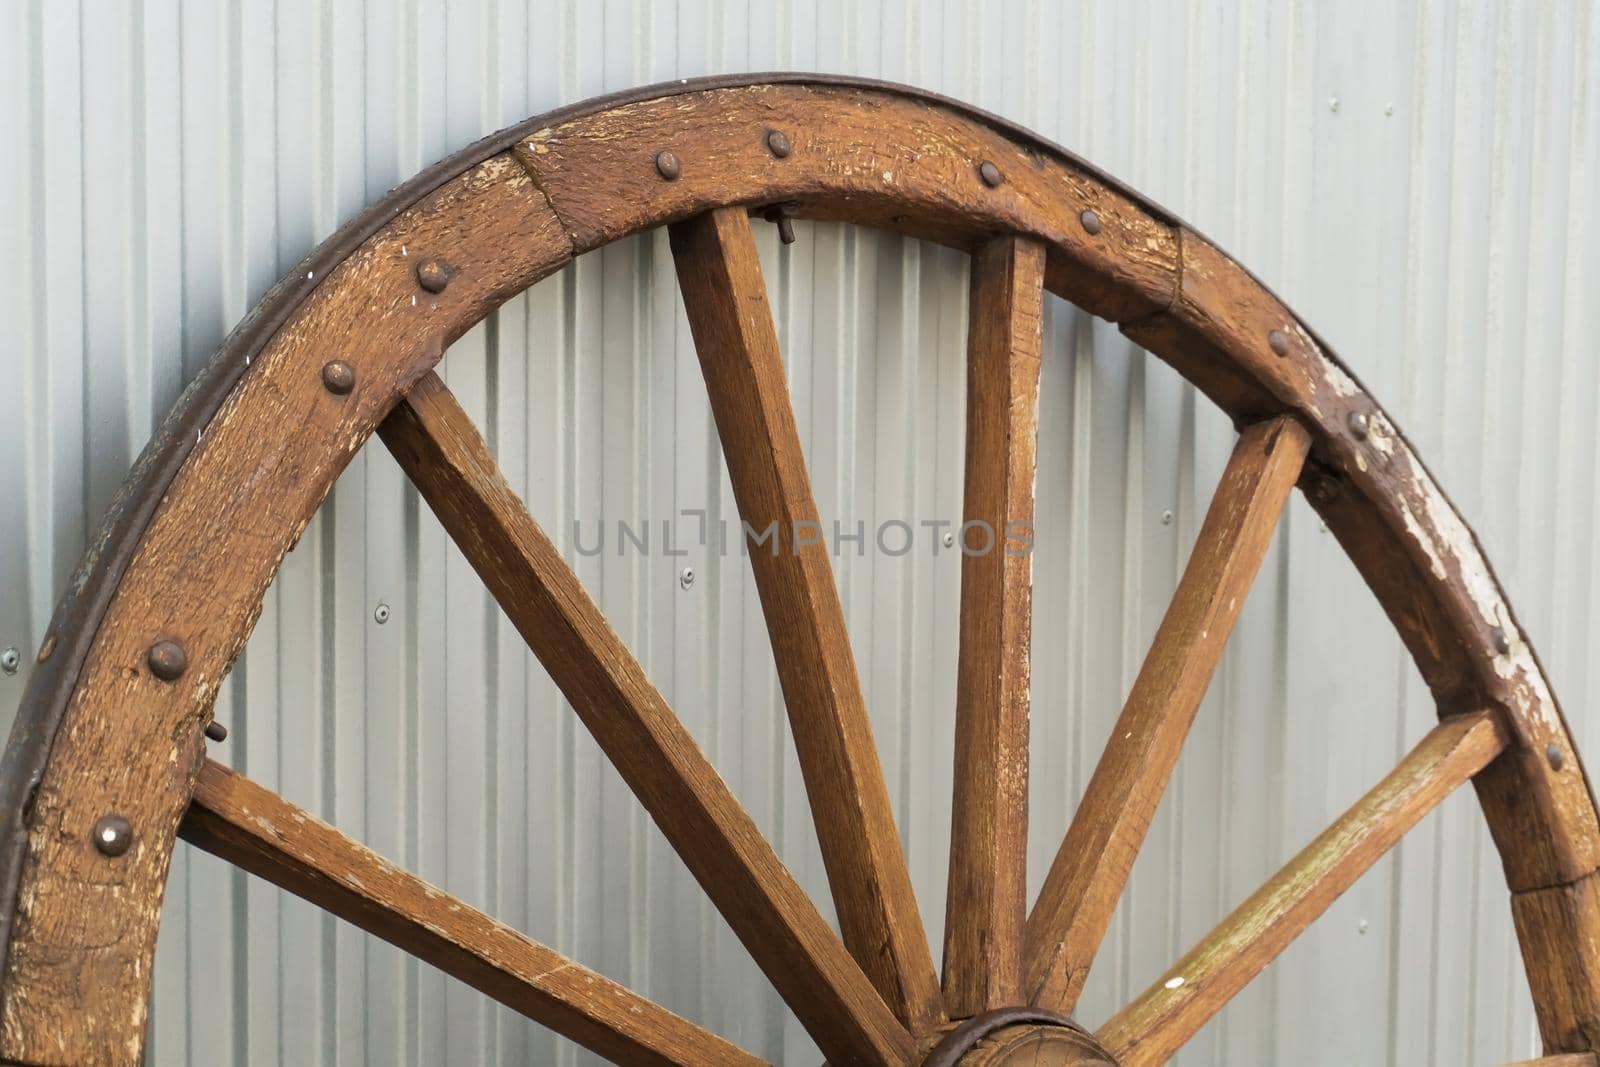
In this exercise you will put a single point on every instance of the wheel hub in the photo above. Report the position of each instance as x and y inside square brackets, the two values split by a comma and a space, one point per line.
[1012, 1037]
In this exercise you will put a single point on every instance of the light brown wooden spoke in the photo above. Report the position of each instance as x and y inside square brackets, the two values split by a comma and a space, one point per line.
[1086, 879]
[257, 830]
[1167, 1014]
[442, 452]
[719, 274]
[1567, 1059]
[986, 901]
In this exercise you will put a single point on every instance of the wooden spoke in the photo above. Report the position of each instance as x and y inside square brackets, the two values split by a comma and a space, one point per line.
[720, 277]
[257, 830]
[986, 901]
[441, 450]
[1569, 1059]
[1086, 879]
[1167, 1014]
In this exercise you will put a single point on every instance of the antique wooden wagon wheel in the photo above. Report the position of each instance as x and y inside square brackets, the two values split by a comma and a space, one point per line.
[107, 765]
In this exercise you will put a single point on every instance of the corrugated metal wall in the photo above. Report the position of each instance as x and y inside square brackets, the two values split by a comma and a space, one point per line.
[1417, 178]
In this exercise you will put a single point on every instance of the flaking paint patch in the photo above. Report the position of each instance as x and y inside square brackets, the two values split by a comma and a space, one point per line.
[1444, 536]
[1336, 377]
[1382, 435]
[1424, 538]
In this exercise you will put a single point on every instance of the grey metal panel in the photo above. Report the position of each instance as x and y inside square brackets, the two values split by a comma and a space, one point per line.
[1417, 178]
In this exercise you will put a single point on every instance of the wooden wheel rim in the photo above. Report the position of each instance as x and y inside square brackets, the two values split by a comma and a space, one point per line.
[512, 209]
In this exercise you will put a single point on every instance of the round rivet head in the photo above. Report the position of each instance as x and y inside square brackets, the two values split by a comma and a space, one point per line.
[1090, 222]
[1502, 643]
[433, 275]
[1553, 754]
[667, 165]
[990, 174]
[167, 660]
[1358, 424]
[338, 377]
[113, 835]
[1321, 488]
[778, 144]
[1278, 341]
[216, 731]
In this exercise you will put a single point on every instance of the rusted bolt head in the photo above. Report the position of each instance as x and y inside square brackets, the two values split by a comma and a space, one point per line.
[1278, 341]
[1358, 424]
[1556, 758]
[667, 164]
[167, 660]
[990, 174]
[338, 377]
[1321, 489]
[1502, 643]
[433, 275]
[216, 731]
[778, 143]
[113, 835]
[1090, 222]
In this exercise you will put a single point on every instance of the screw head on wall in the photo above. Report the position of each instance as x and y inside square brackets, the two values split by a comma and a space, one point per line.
[686, 578]
[167, 660]
[380, 614]
[10, 660]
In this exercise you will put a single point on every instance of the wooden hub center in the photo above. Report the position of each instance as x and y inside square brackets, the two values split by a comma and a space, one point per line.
[1037, 1045]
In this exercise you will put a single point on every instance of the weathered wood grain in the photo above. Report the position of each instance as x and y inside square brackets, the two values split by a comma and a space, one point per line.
[1568, 1059]
[1425, 566]
[877, 159]
[987, 894]
[1557, 929]
[1410, 544]
[76, 985]
[441, 451]
[1090, 869]
[1148, 1031]
[257, 830]
[719, 275]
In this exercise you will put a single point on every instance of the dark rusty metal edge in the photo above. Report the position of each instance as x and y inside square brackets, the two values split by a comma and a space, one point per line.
[76, 620]
[964, 1038]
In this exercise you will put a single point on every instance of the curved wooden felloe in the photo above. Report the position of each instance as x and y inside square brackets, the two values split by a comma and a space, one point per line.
[108, 728]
